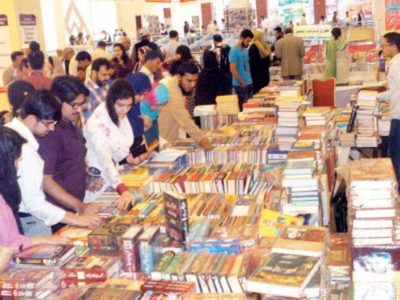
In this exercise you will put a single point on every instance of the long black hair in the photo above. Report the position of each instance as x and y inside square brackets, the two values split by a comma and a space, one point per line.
[10, 150]
[119, 89]
[125, 56]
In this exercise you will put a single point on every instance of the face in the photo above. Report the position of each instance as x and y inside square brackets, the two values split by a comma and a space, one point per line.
[188, 83]
[246, 42]
[71, 111]
[102, 76]
[18, 60]
[153, 65]
[126, 43]
[43, 127]
[388, 49]
[139, 97]
[83, 64]
[122, 107]
[118, 52]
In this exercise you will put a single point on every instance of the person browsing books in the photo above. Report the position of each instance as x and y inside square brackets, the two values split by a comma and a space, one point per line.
[11, 233]
[391, 49]
[240, 67]
[39, 114]
[109, 137]
[63, 151]
[174, 116]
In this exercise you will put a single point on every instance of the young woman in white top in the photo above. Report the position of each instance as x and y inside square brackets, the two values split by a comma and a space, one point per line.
[109, 137]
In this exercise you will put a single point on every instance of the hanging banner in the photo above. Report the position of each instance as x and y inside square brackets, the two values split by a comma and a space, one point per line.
[313, 32]
[5, 46]
[28, 27]
[392, 15]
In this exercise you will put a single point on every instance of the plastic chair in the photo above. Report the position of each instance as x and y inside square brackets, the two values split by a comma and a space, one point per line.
[324, 92]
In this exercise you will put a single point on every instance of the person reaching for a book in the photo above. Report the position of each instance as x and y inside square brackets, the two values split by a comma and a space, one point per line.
[11, 233]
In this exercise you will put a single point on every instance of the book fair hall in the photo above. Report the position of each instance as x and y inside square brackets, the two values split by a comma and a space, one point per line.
[200, 149]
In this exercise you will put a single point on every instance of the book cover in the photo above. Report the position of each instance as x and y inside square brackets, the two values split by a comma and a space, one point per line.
[25, 279]
[45, 254]
[130, 250]
[272, 222]
[283, 274]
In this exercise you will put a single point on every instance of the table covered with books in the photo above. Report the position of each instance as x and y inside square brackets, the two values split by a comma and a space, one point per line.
[246, 220]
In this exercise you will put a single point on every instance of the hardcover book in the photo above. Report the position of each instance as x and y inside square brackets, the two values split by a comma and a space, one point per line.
[45, 254]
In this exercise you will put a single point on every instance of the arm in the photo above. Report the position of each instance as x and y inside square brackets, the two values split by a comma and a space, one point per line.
[235, 73]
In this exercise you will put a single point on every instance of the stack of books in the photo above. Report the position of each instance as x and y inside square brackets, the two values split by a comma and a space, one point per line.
[371, 197]
[227, 105]
[176, 216]
[77, 236]
[166, 160]
[339, 263]
[89, 269]
[135, 178]
[289, 112]
[367, 124]
[208, 116]
[18, 283]
[318, 116]
[276, 155]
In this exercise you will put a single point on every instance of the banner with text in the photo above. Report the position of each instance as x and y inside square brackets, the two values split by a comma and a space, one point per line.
[28, 28]
[5, 46]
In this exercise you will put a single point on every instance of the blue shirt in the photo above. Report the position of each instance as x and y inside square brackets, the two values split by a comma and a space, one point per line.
[240, 56]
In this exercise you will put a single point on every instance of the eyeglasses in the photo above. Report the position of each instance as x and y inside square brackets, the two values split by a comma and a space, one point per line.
[48, 124]
[76, 106]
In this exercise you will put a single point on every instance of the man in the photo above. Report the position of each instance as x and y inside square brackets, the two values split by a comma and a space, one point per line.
[152, 64]
[69, 62]
[126, 42]
[84, 60]
[13, 72]
[37, 77]
[240, 67]
[222, 25]
[39, 114]
[170, 48]
[264, 23]
[100, 51]
[335, 20]
[347, 19]
[303, 20]
[97, 85]
[290, 50]
[144, 41]
[34, 46]
[322, 21]
[212, 28]
[174, 116]
[222, 52]
[63, 151]
[391, 49]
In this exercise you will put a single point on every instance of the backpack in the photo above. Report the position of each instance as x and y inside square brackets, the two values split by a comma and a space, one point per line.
[224, 58]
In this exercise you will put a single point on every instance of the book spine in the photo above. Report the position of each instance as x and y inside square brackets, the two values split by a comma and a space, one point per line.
[130, 255]
[81, 274]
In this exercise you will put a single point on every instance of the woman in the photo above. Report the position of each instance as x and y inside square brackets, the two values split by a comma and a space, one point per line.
[17, 92]
[183, 54]
[211, 82]
[259, 53]
[109, 137]
[141, 55]
[336, 58]
[122, 64]
[10, 195]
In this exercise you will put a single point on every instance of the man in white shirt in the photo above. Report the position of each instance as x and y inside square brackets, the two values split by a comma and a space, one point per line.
[169, 50]
[303, 20]
[38, 117]
[100, 51]
[152, 63]
[391, 49]
[212, 28]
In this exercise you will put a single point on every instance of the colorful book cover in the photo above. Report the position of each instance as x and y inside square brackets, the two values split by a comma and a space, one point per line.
[25, 279]
[272, 222]
[45, 254]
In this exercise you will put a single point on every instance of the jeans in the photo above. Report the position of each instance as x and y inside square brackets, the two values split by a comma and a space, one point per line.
[32, 226]
[244, 93]
[394, 146]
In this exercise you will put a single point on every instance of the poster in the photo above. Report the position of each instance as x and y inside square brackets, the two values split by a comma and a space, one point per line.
[392, 15]
[362, 53]
[314, 54]
[28, 27]
[292, 10]
[153, 24]
[237, 19]
[313, 32]
[5, 46]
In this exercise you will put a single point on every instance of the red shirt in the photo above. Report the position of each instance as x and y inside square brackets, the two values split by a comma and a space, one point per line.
[39, 81]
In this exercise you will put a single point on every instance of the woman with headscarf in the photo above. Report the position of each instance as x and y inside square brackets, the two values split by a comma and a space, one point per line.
[259, 55]
[336, 59]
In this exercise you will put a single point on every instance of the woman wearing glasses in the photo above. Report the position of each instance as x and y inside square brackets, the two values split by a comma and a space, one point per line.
[109, 136]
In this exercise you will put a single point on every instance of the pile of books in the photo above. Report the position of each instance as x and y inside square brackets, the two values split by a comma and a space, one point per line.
[208, 116]
[367, 124]
[167, 159]
[318, 116]
[292, 269]
[371, 196]
[18, 283]
[289, 112]
[239, 179]
[227, 105]
[135, 178]
[276, 155]
[339, 264]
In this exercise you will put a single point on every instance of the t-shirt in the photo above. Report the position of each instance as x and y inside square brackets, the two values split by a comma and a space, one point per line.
[240, 56]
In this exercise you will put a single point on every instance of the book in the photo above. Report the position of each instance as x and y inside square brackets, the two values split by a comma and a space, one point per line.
[95, 293]
[284, 275]
[130, 249]
[272, 222]
[45, 254]
[25, 279]
[149, 248]
[176, 216]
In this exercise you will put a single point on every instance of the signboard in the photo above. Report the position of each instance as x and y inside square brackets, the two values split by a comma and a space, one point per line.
[392, 15]
[5, 46]
[28, 28]
[313, 32]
